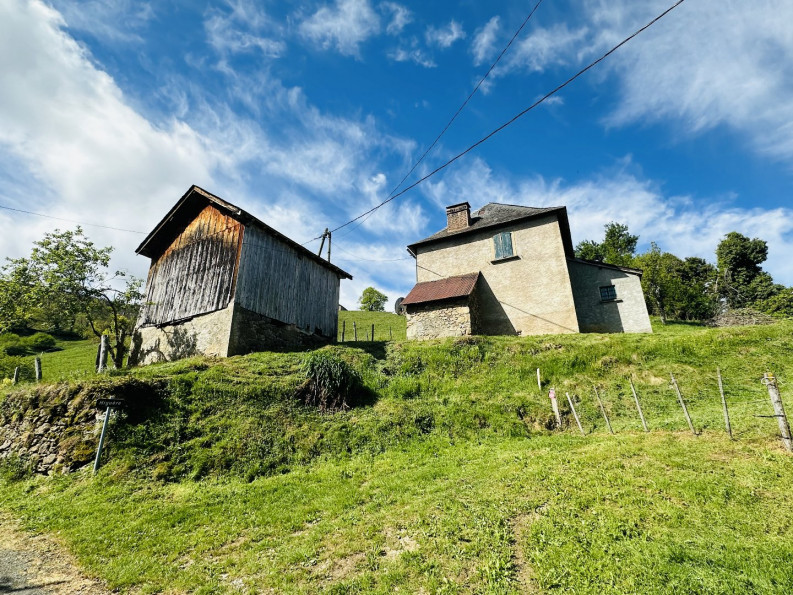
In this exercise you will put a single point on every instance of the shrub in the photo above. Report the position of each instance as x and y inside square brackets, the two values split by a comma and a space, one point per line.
[39, 342]
[11, 344]
[330, 381]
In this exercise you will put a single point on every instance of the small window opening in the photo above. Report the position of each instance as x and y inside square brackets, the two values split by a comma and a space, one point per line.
[608, 293]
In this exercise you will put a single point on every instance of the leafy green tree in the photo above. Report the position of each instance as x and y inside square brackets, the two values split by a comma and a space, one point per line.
[661, 280]
[618, 246]
[372, 300]
[65, 277]
[741, 280]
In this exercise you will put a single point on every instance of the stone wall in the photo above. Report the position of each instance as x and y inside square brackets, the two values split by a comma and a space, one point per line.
[254, 332]
[55, 428]
[438, 319]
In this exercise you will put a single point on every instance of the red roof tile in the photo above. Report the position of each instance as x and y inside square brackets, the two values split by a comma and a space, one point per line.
[442, 289]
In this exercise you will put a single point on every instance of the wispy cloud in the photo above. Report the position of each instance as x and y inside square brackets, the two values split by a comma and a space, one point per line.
[444, 37]
[343, 26]
[242, 28]
[412, 54]
[400, 17]
[110, 20]
[483, 45]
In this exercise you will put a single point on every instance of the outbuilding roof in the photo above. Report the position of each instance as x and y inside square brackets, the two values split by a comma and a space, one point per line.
[191, 204]
[442, 289]
[494, 215]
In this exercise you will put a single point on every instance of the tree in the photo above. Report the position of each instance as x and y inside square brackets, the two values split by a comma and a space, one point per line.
[661, 280]
[65, 277]
[372, 300]
[741, 280]
[618, 246]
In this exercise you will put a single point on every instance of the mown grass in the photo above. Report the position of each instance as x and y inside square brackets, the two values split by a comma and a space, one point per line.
[634, 513]
[444, 477]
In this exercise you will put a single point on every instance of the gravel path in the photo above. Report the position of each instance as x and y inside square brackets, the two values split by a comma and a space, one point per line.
[37, 565]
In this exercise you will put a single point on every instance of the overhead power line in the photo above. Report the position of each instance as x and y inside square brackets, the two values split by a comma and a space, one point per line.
[514, 118]
[459, 110]
[70, 220]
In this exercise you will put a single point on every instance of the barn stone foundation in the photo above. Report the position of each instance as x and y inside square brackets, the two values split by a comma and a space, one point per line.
[206, 334]
[442, 319]
[255, 332]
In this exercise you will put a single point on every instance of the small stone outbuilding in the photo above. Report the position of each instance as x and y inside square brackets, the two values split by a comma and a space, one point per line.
[222, 282]
[511, 270]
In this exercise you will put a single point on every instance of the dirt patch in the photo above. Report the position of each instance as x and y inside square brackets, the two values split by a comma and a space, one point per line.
[524, 571]
[38, 565]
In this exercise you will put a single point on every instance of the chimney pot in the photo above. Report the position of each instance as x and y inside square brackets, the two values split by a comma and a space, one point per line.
[458, 216]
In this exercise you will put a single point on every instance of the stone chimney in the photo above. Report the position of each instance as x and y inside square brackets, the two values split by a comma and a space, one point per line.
[458, 216]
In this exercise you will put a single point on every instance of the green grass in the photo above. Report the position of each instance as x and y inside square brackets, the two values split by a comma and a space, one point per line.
[445, 478]
[387, 326]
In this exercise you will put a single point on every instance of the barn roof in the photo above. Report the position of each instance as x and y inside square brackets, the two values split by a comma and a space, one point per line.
[191, 204]
[494, 215]
[442, 289]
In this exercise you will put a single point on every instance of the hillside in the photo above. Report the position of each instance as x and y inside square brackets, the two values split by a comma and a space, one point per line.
[444, 477]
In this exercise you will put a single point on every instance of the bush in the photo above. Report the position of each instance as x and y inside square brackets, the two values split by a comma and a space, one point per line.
[11, 344]
[39, 342]
[330, 381]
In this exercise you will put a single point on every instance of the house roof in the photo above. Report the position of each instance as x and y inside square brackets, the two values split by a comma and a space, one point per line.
[442, 289]
[604, 265]
[494, 215]
[191, 204]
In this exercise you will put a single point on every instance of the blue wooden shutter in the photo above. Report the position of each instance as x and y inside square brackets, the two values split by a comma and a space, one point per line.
[503, 244]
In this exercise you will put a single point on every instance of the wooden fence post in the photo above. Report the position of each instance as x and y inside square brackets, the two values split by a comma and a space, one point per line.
[638, 406]
[343, 329]
[390, 334]
[575, 414]
[372, 332]
[779, 410]
[16, 375]
[355, 331]
[555, 407]
[603, 410]
[724, 404]
[539, 384]
[683, 404]
[37, 367]
[103, 349]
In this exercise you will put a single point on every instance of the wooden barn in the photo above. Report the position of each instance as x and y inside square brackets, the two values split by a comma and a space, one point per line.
[222, 282]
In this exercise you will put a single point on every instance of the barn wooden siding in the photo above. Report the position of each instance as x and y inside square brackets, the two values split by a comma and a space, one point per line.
[278, 282]
[196, 273]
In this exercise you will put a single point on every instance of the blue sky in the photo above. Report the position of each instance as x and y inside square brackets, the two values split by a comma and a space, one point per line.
[309, 113]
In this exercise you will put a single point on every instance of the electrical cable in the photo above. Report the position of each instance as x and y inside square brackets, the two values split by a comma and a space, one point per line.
[71, 220]
[514, 118]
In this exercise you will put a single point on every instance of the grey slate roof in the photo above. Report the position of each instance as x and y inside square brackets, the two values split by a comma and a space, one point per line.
[494, 215]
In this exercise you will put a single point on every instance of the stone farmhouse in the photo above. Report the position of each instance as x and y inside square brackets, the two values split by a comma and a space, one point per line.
[222, 282]
[511, 270]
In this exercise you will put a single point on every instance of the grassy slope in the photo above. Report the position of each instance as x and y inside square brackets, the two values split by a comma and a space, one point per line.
[387, 326]
[451, 484]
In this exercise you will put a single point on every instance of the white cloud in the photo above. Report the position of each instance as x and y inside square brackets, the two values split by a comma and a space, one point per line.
[678, 224]
[344, 26]
[90, 155]
[545, 47]
[707, 64]
[445, 36]
[240, 30]
[111, 20]
[412, 54]
[400, 17]
[483, 45]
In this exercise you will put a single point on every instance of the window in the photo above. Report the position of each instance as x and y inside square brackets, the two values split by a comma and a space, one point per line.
[608, 293]
[502, 242]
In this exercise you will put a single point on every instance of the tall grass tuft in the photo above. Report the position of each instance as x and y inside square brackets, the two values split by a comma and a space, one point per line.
[330, 382]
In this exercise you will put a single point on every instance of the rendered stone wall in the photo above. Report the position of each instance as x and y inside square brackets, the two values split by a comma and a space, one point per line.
[435, 320]
[628, 313]
[528, 294]
[207, 334]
